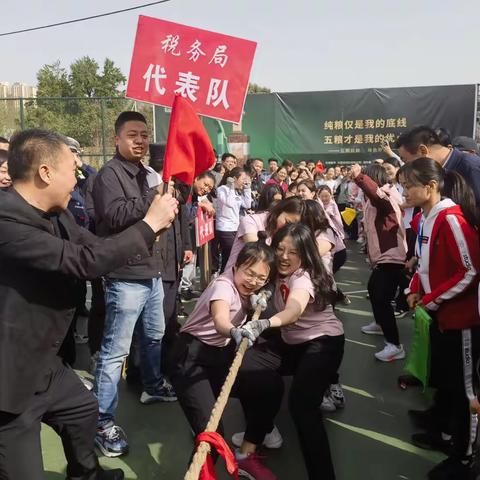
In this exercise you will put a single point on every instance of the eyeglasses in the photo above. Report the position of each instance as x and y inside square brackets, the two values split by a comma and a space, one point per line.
[254, 278]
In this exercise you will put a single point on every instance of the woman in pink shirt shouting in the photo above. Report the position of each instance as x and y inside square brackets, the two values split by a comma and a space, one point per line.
[204, 351]
[309, 347]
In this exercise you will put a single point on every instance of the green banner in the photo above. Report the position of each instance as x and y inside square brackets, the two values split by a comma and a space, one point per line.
[341, 126]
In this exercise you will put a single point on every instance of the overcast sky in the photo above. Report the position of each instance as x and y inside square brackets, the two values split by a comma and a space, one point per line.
[302, 44]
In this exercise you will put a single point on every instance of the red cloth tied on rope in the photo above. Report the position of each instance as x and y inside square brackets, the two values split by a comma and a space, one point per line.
[216, 441]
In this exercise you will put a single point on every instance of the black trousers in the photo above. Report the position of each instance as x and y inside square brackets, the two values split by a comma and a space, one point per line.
[260, 389]
[401, 298]
[226, 240]
[382, 287]
[64, 404]
[172, 326]
[339, 259]
[454, 380]
[197, 374]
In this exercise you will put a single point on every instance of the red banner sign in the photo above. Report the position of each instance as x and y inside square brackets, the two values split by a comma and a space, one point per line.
[209, 69]
[203, 228]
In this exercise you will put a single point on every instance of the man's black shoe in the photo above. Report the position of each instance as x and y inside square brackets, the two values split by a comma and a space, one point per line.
[432, 441]
[450, 469]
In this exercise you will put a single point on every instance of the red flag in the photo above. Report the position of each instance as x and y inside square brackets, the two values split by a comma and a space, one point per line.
[189, 151]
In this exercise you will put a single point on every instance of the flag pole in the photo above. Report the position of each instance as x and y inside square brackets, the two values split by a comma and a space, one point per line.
[165, 186]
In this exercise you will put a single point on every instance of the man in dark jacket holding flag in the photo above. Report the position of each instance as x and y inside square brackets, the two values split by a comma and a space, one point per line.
[43, 255]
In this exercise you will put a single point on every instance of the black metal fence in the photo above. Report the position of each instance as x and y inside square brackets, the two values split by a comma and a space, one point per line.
[88, 120]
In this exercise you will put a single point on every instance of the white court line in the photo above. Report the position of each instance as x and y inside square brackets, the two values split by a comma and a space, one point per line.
[361, 313]
[361, 343]
[356, 291]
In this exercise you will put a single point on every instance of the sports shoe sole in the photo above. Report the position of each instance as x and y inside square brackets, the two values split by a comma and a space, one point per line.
[399, 356]
[402, 314]
[108, 453]
[270, 446]
[372, 332]
[158, 400]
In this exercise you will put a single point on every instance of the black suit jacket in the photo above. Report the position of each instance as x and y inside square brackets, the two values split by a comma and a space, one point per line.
[173, 243]
[38, 274]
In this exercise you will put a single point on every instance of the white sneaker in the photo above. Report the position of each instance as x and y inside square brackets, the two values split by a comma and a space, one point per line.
[337, 395]
[272, 440]
[390, 352]
[327, 404]
[372, 329]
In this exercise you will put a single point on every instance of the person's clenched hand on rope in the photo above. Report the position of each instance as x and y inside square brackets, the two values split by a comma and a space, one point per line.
[252, 330]
[260, 299]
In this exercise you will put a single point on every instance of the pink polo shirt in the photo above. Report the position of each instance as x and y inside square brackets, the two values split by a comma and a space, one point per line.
[327, 259]
[254, 223]
[200, 323]
[311, 324]
[339, 243]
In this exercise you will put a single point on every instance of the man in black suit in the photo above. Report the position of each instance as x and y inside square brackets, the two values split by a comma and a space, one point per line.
[43, 254]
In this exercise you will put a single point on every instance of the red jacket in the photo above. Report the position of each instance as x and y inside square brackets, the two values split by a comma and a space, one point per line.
[449, 265]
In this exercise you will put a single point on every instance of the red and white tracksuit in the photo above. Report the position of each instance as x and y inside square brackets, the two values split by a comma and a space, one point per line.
[447, 277]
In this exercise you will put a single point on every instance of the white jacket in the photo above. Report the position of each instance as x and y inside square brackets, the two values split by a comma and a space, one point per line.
[227, 207]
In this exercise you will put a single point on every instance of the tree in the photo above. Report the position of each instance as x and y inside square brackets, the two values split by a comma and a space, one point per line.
[111, 80]
[86, 80]
[52, 81]
[81, 116]
[254, 88]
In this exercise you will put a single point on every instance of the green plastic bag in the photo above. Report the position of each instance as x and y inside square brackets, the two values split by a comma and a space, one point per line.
[418, 360]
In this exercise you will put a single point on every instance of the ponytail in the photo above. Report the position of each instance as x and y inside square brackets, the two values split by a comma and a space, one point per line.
[456, 188]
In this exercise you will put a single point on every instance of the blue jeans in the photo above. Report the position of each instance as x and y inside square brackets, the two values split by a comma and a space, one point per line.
[125, 302]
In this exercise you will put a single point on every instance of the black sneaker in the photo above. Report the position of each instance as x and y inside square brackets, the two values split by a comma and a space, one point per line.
[450, 469]
[166, 393]
[432, 441]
